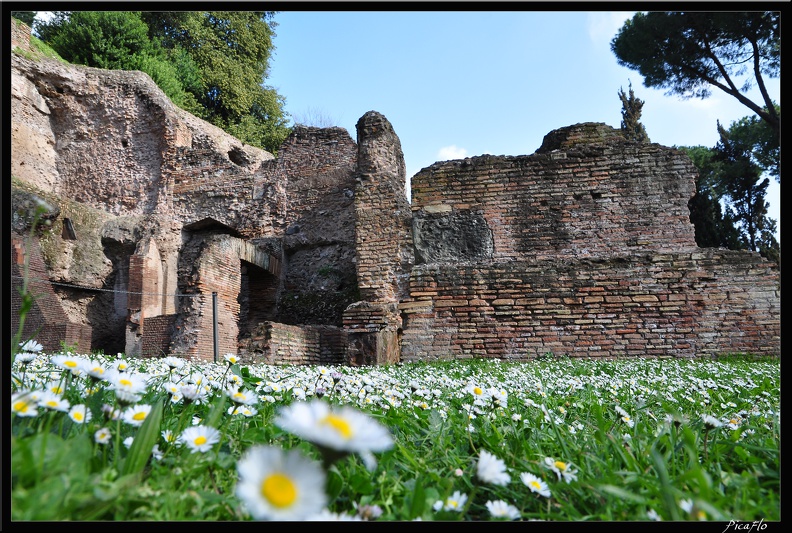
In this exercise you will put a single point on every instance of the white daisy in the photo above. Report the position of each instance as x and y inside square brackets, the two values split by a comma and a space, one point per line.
[52, 401]
[276, 484]
[80, 414]
[30, 346]
[200, 438]
[136, 414]
[491, 469]
[24, 404]
[501, 509]
[562, 469]
[102, 436]
[69, 362]
[455, 502]
[128, 387]
[241, 396]
[535, 484]
[173, 362]
[231, 358]
[341, 429]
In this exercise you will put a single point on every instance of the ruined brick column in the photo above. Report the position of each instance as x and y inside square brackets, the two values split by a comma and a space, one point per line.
[383, 237]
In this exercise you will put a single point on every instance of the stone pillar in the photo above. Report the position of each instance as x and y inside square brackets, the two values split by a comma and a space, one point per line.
[383, 236]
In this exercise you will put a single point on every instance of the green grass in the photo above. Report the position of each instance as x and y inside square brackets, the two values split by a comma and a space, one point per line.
[659, 459]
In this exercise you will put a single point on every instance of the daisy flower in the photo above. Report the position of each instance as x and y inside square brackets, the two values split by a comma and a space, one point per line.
[174, 363]
[245, 410]
[231, 358]
[711, 422]
[136, 414]
[535, 484]
[24, 404]
[478, 392]
[501, 509]
[94, 369]
[343, 429]
[25, 358]
[169, 436]
[193, 394]
[562, 469]
[491, 469]
[102, 436]
[30, 346]
[128, 387]
[200, 438]
[68, 362]
[455, 502]
[241, 396]
[55, 402]
[276, 484]
[80, 414]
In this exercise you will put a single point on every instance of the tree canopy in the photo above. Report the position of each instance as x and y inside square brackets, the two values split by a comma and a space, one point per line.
[212, 64]
[689, 53]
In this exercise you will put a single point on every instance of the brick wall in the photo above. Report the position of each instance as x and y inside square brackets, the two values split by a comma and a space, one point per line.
[20, 35]
[46, 321]
[156, 336]
[276, 343]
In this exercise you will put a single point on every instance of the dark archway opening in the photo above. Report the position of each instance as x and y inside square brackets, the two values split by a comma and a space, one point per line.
[257, 297]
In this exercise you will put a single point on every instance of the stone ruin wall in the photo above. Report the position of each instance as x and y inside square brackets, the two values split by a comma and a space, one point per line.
[584, 248]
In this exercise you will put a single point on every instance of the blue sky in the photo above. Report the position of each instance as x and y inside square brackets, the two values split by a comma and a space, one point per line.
[458, 84]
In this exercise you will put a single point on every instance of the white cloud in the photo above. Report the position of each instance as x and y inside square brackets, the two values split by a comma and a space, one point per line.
[451, 152]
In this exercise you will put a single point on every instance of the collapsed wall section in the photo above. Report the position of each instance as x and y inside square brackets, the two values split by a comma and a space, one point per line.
[568, 200]
[584, 248]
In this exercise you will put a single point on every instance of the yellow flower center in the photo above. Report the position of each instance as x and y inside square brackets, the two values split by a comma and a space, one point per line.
[21, 406]
[535, 484]
[78, 415]
[52, 403]
[200, 440]
[339, 424]
[125, 382]
[139, 416]
[279, 490]
[561, 465]
[478, 391]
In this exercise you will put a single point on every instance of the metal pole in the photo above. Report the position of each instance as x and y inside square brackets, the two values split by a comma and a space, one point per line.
[214, 323]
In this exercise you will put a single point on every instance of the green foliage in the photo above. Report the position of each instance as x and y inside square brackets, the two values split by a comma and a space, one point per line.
[714, 228]
[667, 460]
[729, 209]
[688, 53]
[631, 125]
[102, 39]
[212, 64]
[741, 179]
[25, 16]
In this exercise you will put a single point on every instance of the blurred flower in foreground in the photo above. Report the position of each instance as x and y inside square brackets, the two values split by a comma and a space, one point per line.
[31, 346]
[501, 509]
[337, 432]
[276, 484]
[490, 469]
[24, 404]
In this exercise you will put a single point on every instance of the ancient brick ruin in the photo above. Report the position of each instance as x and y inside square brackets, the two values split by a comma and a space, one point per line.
[161, 226]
